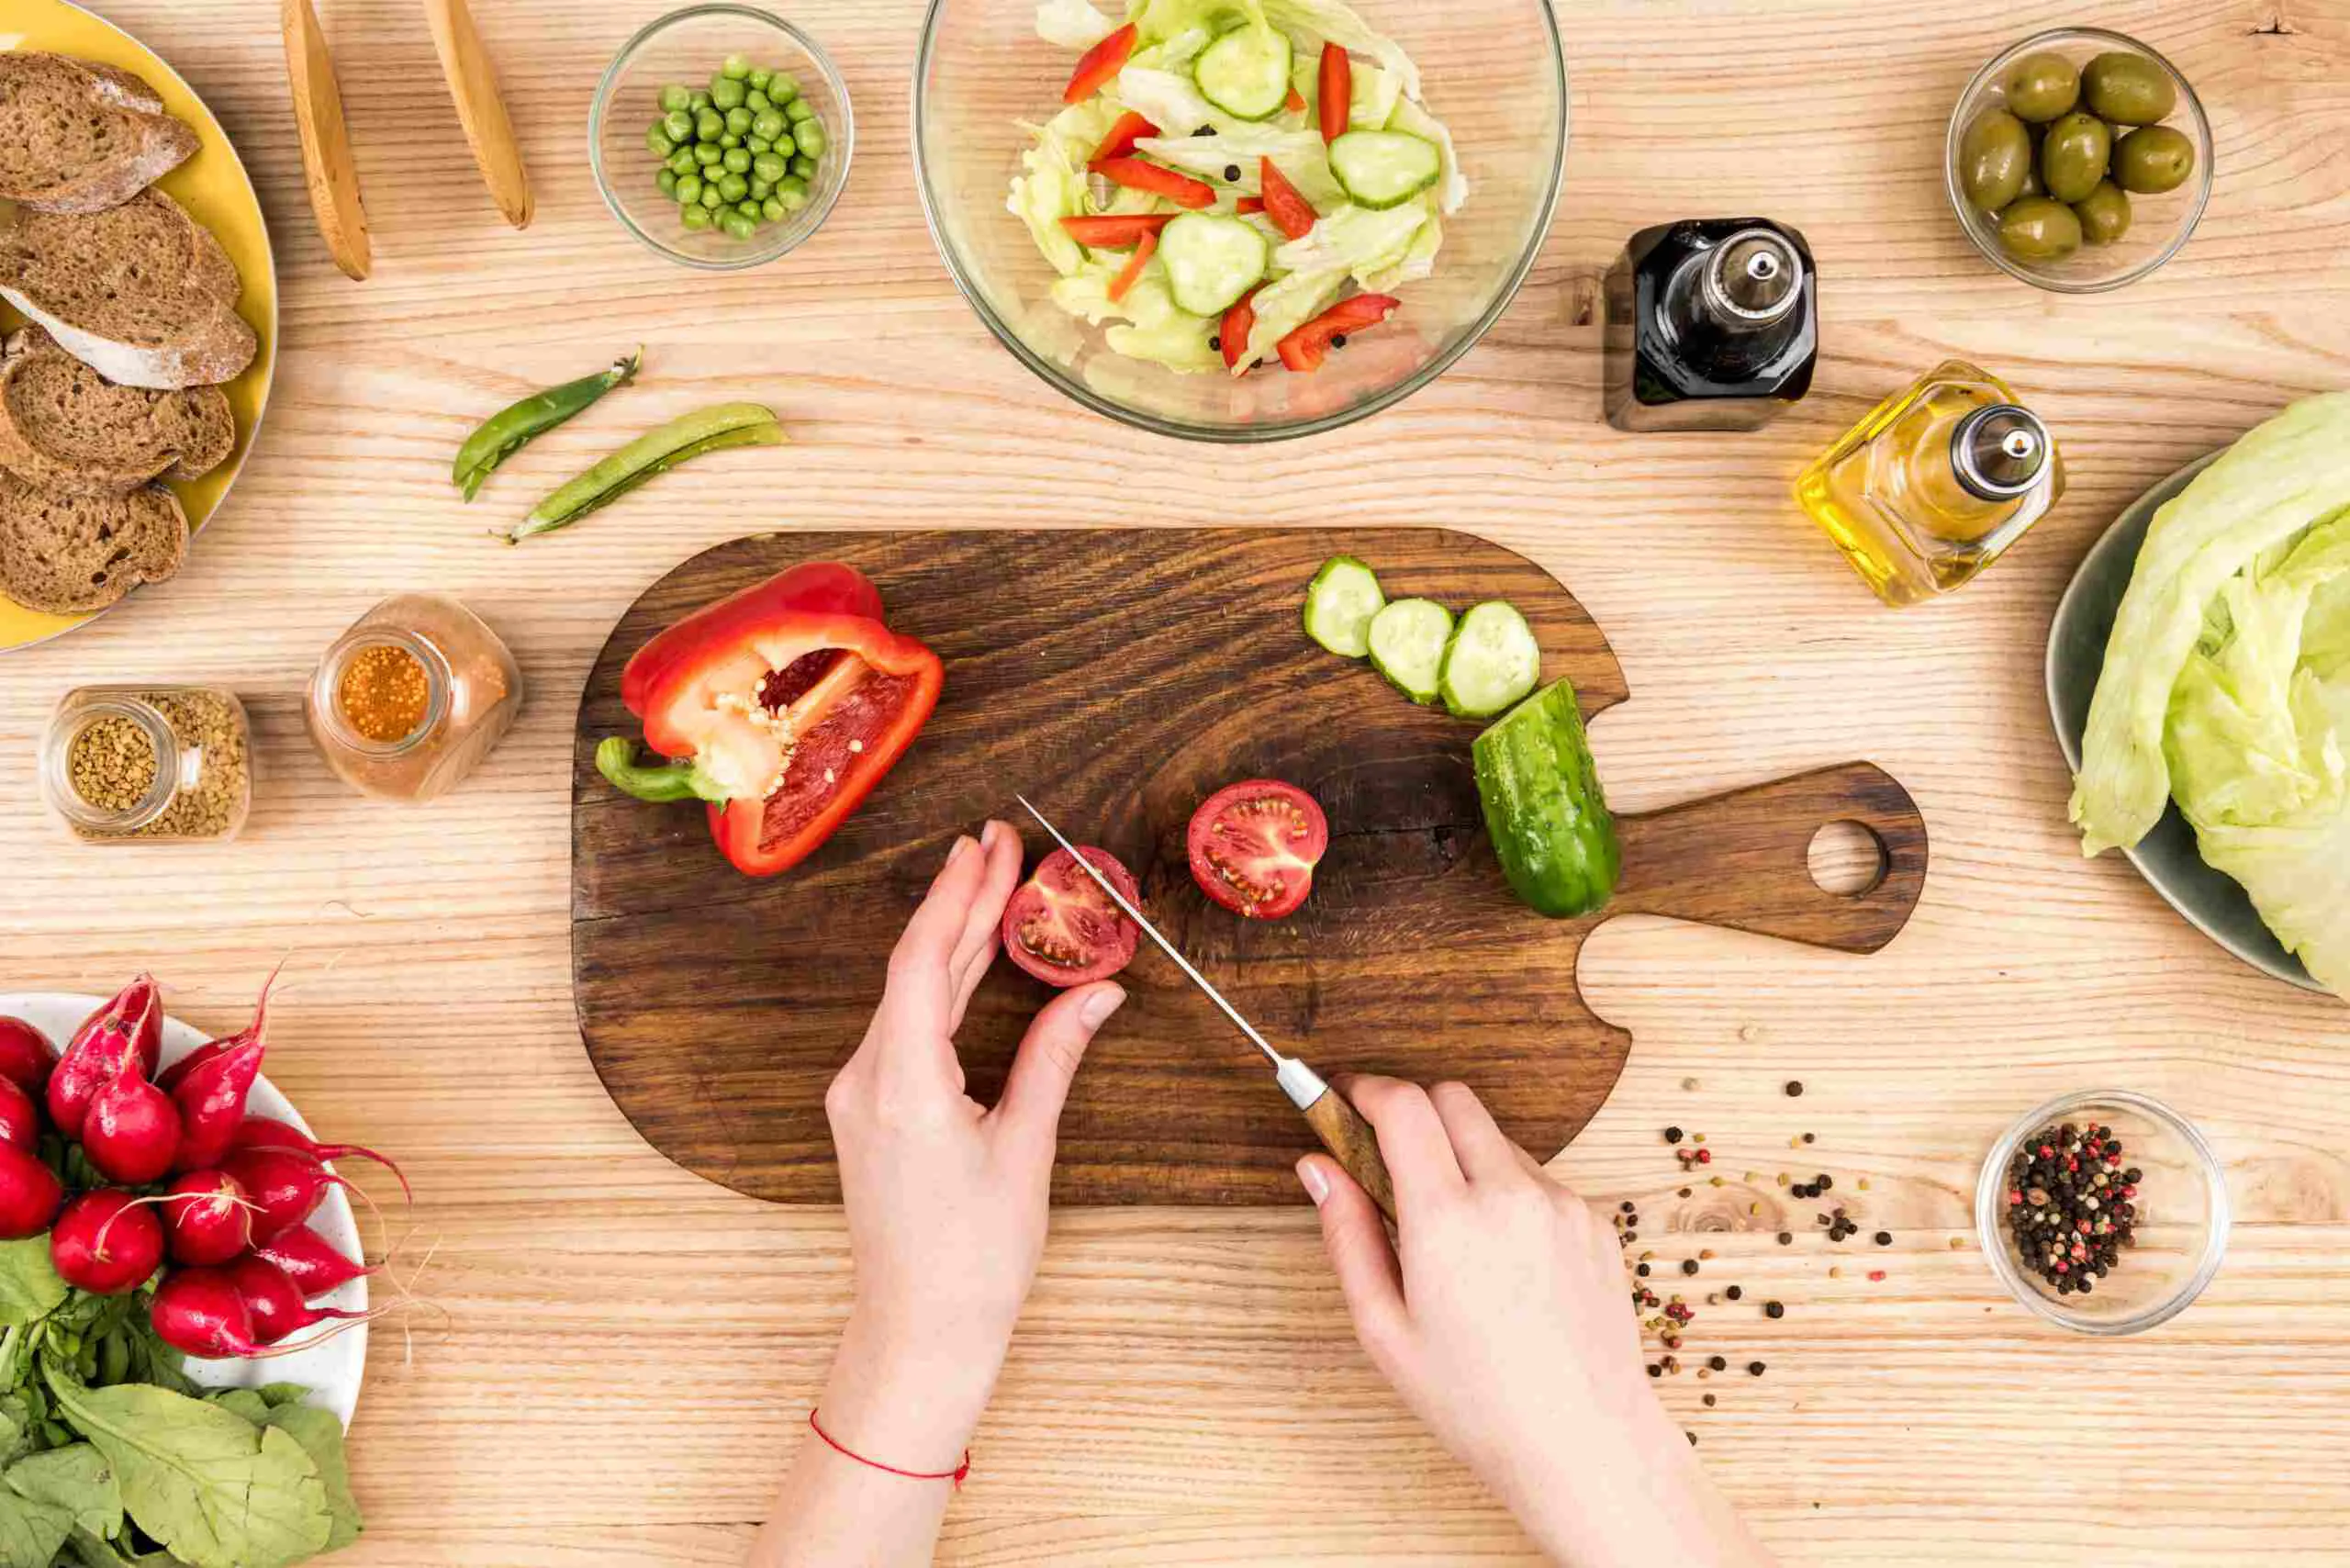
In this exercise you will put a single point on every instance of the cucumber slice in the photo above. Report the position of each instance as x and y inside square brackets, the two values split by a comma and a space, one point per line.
[1384, 168]
[1408, 642]
[1212, 261]
[1340, 605]
[1246, 72]
[1492, 662]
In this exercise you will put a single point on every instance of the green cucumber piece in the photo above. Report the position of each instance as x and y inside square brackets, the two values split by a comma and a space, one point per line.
[1381, 169]
[1544, 807]
[1407, 642]
[1212, 261]
[1340, 603]
[1246, 72]
[1492, 662]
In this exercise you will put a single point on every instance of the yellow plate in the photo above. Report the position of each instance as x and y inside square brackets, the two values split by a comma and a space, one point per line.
[218, 194]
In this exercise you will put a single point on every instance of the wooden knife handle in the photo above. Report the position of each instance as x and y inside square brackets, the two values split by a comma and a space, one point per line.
[1354, 1145]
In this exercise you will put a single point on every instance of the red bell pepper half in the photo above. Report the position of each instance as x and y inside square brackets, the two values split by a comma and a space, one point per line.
[779, 709]
[1115, 233]
[1137, 175]
[1338, 91]
[1284, 204]
[1305, 348]
[1100, 65]
[1131, 127]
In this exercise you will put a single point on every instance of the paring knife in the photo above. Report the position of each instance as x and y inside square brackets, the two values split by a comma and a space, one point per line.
[1337, 1124]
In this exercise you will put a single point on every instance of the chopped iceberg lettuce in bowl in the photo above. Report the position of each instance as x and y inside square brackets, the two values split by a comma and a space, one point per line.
[1239, 219]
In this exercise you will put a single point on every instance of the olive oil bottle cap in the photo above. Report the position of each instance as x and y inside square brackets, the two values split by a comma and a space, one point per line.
[1753, 279]
[1999, 452]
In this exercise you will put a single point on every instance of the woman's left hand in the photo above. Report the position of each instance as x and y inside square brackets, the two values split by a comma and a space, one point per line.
[947, 1200]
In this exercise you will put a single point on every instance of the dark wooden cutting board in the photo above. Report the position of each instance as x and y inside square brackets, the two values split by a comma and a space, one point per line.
[1118, 678]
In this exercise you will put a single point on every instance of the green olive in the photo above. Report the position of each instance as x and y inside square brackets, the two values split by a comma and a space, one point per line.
[2041, 87]
[1994, 156]
[2104, 214]
[2153, 159]
[2073, 158]
[2035, 229]
[2128, 88]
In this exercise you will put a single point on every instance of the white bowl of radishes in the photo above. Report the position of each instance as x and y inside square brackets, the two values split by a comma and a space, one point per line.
[328, 1356]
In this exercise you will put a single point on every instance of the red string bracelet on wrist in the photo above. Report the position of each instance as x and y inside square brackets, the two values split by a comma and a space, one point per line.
[956, 1476]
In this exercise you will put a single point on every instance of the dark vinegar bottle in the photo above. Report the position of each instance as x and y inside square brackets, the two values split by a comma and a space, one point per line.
[1712, 324]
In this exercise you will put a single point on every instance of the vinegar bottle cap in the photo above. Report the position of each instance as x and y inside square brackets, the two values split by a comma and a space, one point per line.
[1753, 279]
[1999, 452]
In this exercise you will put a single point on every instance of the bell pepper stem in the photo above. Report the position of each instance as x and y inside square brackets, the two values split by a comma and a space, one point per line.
[661, 782]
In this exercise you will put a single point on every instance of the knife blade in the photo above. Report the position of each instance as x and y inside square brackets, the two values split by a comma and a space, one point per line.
[1343, 1132]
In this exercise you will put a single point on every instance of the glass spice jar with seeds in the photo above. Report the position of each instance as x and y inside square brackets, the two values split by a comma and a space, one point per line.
[411, 698]
[149, 763]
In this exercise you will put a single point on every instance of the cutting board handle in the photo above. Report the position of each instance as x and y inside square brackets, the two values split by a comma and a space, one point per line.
[1744, 860]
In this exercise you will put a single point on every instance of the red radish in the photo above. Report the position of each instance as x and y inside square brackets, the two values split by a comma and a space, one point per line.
[136, 1011]
[180, 1072]
[201, 1311]
[19, 1117]
[313, 1262]
[274, 1302]
[286, 1187]
[105, 1243]
[211, 1103]
[211, 1218]
[25, 1055]
[131, 1131]
[29, 1195]
[268, 1134]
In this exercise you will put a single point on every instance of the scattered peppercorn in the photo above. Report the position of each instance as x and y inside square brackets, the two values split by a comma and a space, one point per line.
[1735, 1292]
[1822, 1183]
[1882, 1239]
[1627, 1207]
[1775, 1310]
[1641, 1269]
[1755, 1368]
[1786, 1238]
[1710, 1398]
[1688, 1265]
[1811, 1138]
[1655, 1369]
[1673, 1134]
[1719, 1363]
[1692, 1437]
[1794, 1089]
[1338, 342]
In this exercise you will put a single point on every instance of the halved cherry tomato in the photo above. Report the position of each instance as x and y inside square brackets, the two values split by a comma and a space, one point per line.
[1131, 274]
[1131, 127]
[1137, 175]
[1289, 209]
[1239, 325]
[1254, 847]
[1115, 233]
[1305, 348]
[1061, 927]
[1338, 91]
[1100, 65]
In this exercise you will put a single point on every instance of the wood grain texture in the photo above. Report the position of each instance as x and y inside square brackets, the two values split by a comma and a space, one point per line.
[326, 141]
[629, 1352]
[1118, 678]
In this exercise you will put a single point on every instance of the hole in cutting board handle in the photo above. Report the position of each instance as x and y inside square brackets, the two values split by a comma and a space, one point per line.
[1849, 859]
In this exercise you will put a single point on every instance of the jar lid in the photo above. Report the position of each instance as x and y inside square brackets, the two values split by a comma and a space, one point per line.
[1753, 278]
[1999, 452]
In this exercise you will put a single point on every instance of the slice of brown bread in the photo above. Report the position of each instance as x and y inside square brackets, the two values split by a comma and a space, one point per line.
[79, 137]
[141, 293]
[67, 555]
[66, 429]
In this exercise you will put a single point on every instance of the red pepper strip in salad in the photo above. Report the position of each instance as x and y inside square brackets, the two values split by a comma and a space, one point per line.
[1100, 65]
[821, 586]
[783, 727]
[1131, 127]
[1305, 348]
[1296, 102]
[1132, 273]
[1115, 233]
[1247, 204]
[1135, 174]
[1289, 209]
[1338, 91]
[1239, 324]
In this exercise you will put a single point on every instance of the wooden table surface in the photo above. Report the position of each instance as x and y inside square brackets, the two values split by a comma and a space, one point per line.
[628, 1352]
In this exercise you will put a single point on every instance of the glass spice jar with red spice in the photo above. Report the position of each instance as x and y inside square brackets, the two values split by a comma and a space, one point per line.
[411, 698]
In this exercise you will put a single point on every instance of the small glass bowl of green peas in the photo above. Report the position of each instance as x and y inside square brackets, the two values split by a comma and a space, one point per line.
[722, 137]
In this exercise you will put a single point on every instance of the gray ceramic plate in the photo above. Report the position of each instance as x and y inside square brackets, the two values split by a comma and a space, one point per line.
[2212, 902]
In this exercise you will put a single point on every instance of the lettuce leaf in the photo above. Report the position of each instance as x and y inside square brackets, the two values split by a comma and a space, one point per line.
[1071, 24]
[1285, 305]
[1357, 241]
[1418, 262]
[1452, 185]
[1312, 23]
[1301, 155]
[1148, 324]
[1053, 184]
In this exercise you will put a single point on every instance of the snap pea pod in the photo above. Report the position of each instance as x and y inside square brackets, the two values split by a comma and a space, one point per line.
[680, 440]
[509, 430]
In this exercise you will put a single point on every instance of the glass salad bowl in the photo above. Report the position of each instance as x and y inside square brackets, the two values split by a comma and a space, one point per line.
[1491, 72]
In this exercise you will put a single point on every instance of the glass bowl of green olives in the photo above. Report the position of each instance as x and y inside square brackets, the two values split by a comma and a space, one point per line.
[720, 137]
[2079, 160]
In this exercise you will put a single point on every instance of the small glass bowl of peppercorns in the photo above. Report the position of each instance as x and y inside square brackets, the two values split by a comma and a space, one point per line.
[2106, 1212]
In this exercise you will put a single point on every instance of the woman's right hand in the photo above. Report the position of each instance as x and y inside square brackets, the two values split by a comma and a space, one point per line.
[1501, 1315]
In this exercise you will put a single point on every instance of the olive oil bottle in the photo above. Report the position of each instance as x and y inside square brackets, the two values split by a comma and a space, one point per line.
[1712, 324]
[1937, 482]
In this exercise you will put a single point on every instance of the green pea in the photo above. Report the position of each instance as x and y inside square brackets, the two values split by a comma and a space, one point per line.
[738, 120]
[792, 193]
[677, 126]
[759, 78]
[769, 125]
[668, 181]
[737, 226]
[803, 167]
[696, 216]
[773, 210]
[699, 101]
[758, 144]
[783, 87]
[681, 162]
[770, 167]
[709, 125]
[747, 208]
[708, 153]
[737, 160]
[761, 189]
[733, 187]
[735, 68]
[758, 103]
[711, 195]
[689, 188]
[729, 141]
[675, 98]
[657, 141]
[799, 109]
[811, 137]
[726, 94]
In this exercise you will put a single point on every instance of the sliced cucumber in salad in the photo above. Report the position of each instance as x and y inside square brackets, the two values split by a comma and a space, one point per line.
[1340, 604]
[1246, 72]
[1212, 261]
[1408, 642]
[1381, 169]
[1492, 662]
